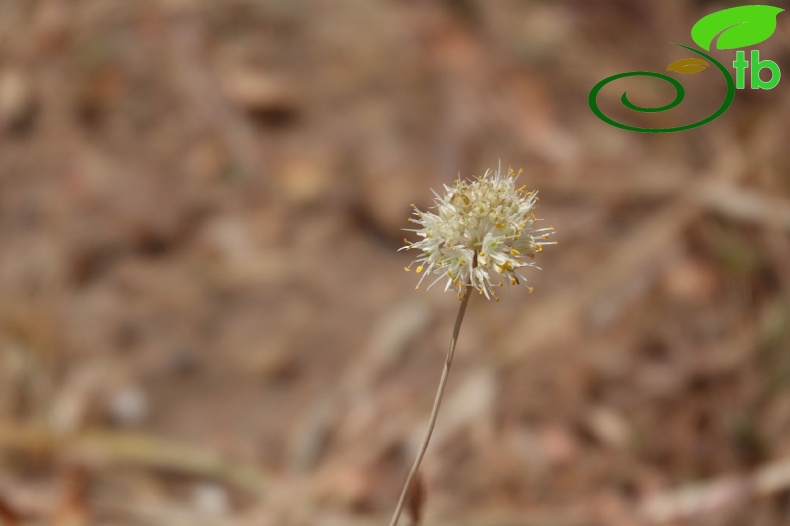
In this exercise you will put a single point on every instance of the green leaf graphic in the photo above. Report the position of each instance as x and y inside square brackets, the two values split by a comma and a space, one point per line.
[739, 27]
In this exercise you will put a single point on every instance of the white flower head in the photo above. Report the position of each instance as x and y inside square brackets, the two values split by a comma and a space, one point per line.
[480, 229]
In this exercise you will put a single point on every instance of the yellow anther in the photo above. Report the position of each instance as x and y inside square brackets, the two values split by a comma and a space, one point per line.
[500, 225]
[497, 300]
[514, 252]
[417, 287]
[407, 269]
[530, 290]
[419, 269]
[539, 248]
[513, 280]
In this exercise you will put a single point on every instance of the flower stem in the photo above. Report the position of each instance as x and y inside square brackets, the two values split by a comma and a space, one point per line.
[436, 403]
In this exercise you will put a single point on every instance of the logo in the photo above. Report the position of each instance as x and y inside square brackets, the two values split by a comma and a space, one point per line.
[737, 27]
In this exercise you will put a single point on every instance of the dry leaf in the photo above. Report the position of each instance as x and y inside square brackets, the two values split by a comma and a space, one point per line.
[415, 500]
[8, 515]
[687, 66]
[73, 509]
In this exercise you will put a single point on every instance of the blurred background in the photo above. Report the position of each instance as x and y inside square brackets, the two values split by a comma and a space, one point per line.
[204, 319]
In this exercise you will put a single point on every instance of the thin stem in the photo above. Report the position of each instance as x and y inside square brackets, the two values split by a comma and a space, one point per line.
[436, 403]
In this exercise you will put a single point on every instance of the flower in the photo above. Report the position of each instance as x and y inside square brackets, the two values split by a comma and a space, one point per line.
[481, 228]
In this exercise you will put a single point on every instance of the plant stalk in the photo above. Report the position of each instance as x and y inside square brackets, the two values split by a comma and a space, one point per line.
[436, 403]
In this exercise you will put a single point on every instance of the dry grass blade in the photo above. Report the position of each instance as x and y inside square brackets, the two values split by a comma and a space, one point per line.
[693, 500]
[104, 448]
[747, 206]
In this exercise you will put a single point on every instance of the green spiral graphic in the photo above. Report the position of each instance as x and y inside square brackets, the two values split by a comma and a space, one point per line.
[680, 94]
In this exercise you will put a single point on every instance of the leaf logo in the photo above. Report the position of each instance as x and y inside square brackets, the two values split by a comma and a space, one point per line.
[732, 28]
[736, 27]
[688, 66]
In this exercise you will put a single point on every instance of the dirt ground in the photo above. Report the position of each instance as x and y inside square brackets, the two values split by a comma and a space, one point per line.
[204, 318]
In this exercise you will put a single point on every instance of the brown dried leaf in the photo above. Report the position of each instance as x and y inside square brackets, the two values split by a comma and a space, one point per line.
[8, 515]
[415, 499]
[688, 66]
[72, 509]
